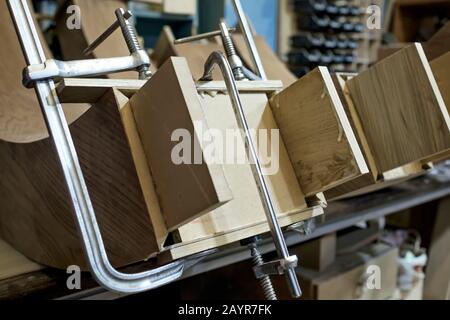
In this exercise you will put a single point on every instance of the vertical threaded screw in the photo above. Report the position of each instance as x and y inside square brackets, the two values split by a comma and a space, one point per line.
[266, 283]
[131, 39]
[230, 50]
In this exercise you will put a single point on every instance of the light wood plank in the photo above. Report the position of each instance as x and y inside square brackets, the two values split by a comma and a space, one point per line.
[317, 133]
[90, 90]
[246, 210]
[401, 109]
[169, 102]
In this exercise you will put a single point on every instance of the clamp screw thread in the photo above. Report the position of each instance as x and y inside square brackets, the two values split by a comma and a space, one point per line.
[266, 283]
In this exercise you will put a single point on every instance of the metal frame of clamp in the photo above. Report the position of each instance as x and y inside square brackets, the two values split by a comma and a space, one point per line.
[40, 75]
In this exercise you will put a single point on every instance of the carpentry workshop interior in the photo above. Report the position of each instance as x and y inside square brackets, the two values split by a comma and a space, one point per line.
[187, 150]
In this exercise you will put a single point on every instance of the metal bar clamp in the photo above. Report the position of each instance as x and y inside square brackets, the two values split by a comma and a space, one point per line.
[85, 218]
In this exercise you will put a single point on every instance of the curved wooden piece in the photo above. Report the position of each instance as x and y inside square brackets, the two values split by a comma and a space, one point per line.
[36, 216]
[21, 120]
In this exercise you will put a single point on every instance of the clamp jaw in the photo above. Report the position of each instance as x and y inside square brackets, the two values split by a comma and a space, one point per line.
[55, 69]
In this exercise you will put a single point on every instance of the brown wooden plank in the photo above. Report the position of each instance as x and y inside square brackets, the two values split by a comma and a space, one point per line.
[437, 281]
[169, 102]
[317, 133]
[21, 120]
[36, 216]
[401, 109]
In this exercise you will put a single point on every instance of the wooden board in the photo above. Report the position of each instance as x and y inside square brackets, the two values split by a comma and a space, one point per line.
[317, 254]
[246, 210]
[196, 53]
[96, 17]
[91, 90]
[21, 120]
[36, 216]
[402, 112]
[168, 102]
[343, 280]
[274, 67]
[437, 281]
[320, 141]
[13, 263]
[441, 71]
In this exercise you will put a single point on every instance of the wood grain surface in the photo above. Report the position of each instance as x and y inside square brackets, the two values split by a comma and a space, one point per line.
[319, 138]
[21, 120]
[167, 103]
[36, 216]
[401, 109]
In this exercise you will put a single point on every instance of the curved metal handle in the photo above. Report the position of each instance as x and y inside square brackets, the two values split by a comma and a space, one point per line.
[86, 221]
[217, 58]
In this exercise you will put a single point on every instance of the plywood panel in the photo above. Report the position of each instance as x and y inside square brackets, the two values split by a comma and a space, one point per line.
[318, 136]
[245, 210]
[401, 109]
[167, 103]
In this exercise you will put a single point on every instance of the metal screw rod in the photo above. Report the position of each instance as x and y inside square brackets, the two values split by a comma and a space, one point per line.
[230, 50]
[202, 36]
[277, 233]
[130, 35]
[266, 283]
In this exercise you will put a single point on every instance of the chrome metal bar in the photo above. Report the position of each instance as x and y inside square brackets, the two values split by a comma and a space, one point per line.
[217, 58]
[249, 40]
[86, 221]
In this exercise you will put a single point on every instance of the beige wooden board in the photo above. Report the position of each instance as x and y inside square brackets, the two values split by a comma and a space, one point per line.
[13, 263]
[245, 210]
[317, 133]
[219, 240]
[142, 169]
[401, 109]
[169, 102]
[441, 72]
[85, 90]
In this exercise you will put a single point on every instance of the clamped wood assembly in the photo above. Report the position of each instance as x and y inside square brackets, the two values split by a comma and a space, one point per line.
[233, 70]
